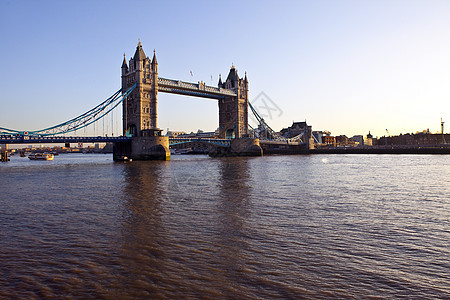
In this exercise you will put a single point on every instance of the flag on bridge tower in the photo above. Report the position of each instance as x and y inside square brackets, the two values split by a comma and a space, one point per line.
[192, 74]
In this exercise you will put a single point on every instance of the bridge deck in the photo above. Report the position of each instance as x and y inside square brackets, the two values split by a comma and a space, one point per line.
[23, 139]
[60, 139]
[192, 89]
[218, 142]
[295, 143]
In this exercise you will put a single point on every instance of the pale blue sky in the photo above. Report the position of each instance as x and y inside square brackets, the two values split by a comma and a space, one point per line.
[344, 66]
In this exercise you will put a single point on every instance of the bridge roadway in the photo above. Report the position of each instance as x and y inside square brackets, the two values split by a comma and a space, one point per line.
[218, 142]
[24, 139]
[193, 89]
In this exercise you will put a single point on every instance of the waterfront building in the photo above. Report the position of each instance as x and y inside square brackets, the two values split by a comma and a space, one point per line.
[369, 140]
[358, 139]
[329, 140]
[341, 140]
[420, 138]
[295, 129]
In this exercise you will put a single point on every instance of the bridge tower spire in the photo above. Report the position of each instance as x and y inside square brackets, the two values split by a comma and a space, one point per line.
[154, 92]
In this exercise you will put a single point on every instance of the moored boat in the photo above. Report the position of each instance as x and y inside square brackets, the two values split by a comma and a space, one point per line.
[40, 156]
[181, 151]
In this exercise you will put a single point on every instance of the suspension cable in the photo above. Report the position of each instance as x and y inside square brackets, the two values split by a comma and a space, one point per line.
[83, 120]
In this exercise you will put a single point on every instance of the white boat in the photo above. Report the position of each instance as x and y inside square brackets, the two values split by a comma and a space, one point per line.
[181, 151]
[40, 156]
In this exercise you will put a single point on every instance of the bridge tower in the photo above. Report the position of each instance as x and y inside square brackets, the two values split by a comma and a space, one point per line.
[140, 110]
[233, 110]
[140, 107]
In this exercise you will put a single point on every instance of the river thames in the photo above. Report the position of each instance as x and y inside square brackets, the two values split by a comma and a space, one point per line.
[317, 226]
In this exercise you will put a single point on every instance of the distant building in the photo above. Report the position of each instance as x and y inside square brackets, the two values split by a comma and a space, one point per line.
[369, 140]
[341, 140]
[359, 139]
[329, 140]
[175, 133]
[420, 138]
[209, 134]
[200, 133]
[295, 129]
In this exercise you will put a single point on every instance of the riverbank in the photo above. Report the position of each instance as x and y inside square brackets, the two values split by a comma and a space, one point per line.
[443, 149]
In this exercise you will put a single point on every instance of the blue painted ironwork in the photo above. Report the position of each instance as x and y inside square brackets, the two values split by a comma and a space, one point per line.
[30, 139]
[79, 122]
[218, 142]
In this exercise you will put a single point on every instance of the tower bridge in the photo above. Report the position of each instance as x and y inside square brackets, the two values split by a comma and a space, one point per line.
[142, 139]
[140, 107]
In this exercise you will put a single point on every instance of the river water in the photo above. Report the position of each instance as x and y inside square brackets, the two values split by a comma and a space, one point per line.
[318, 226]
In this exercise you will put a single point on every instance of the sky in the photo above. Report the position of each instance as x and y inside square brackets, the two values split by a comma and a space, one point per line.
[348, 67]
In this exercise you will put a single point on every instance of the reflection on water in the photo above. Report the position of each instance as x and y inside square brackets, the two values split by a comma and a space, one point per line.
[142, 234]
[279, 226]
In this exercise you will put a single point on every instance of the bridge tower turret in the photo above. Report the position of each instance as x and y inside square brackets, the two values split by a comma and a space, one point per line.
[154, 92]
[233, 110]
[124, 66]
